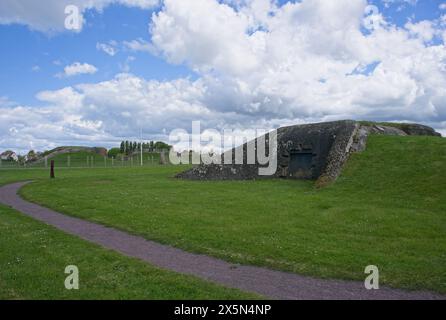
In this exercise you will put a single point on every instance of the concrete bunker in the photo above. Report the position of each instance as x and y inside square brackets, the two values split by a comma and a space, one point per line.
[301, 163]
[312, 151]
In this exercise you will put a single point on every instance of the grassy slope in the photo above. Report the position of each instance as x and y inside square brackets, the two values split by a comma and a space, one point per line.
[33, 257]
[83, 159]
[79, 160]
[13, 175]
[387, 209]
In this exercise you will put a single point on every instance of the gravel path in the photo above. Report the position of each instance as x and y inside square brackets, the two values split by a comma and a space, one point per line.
[269, 283]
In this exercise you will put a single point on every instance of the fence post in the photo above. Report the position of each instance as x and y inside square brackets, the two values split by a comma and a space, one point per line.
[105, 161]
[69, 161]
[52, 176]
[162, 158]
[88, 161]
[46, 161]
[113, 161]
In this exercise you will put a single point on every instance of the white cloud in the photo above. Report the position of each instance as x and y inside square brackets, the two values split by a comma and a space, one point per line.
[401, 3]
[102, 113]
[425, 29]
[5, 102]
[442, 6]
[272, 65]
[205, 34]
[125, 67]
[260, 65]
[49, 15]
[109, 48]
[139, 45]
[78, 68]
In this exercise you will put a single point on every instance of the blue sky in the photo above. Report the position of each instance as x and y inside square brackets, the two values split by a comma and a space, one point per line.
[400, 11]
[22, 49]
[194, 68]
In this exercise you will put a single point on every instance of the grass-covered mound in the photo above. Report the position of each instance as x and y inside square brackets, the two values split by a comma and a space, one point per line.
[91, 159]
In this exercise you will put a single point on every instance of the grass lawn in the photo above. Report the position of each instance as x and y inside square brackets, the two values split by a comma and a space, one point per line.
[87, 159]
[33, 257]
[388, 209]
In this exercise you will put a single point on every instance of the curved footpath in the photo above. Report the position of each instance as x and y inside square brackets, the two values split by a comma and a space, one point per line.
[269, 283]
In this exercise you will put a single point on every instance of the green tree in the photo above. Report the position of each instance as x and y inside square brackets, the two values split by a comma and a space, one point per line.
[122, 148]
[127, 147]
[21, 160]
[114, 152]
[162, 146]
[31, 156]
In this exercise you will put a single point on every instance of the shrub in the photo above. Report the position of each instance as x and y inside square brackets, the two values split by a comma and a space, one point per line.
[114, 152]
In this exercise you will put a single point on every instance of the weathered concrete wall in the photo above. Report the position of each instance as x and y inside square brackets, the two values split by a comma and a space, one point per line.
[303, 152]
[313, 151]
[325, 141]
[339, 154]
[413, 129]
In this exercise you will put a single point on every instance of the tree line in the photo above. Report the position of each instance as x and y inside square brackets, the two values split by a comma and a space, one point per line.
[129, 147]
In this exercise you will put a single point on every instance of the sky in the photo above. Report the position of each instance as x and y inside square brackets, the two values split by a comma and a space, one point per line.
[158, 65]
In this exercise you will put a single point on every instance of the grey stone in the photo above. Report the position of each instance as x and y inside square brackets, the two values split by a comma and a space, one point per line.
[413, 129]
[386, 130]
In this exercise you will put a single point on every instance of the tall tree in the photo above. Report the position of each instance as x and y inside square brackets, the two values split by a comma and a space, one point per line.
[162, 146]
[122, 148]
[127, 147]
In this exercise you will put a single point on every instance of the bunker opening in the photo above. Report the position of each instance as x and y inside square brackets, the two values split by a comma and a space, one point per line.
[301, 164]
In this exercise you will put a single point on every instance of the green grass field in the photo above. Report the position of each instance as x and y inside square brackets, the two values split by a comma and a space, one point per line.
[33, 257]
[87, 159]
[94, 160]
[387, 209]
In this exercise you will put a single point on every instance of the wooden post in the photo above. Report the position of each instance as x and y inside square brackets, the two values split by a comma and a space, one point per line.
[52, 176]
